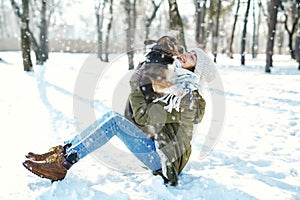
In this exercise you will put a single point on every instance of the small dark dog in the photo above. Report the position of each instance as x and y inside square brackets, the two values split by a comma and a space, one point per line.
[155, 74]
[160, 55]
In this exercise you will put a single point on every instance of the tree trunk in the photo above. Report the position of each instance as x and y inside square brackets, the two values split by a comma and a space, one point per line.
[244, 34]
[134, 15]
[260, 11]
[211, 21]
[254, 43]
[216, 31]
[24, 34]
[108, 29]
[175, 21]
[281, 39]
[25, 37]
[272, 21]
[230, 53]
[129, 34]
[99, 12]
[295, 18]
[292, 52]
[297, 49]
[44, 47]
[99, 37]
[200, 23]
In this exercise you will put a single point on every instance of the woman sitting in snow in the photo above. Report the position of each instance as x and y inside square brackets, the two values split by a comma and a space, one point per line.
[176, 107]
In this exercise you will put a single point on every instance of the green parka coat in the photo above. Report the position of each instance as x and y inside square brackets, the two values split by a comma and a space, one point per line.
[173, 131]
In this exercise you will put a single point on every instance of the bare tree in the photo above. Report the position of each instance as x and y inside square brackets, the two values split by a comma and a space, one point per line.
[294, 10]
[149, 20]
[99, 6]
[134, 14]
[25, 32]
[40, 48]
[130, 20]
[254, 39]
[272, 21]
[41, 11]
[175, 21]
[297, 48]
[25, 38]
[44, 32]
[103, 44]
[230, 53]
[261, 13]
[108, 29]
[215, 36]
[200, 23]
[243, 43]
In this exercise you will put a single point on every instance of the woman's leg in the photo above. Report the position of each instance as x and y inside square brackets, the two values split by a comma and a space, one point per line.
[56, 165]
[95, 136]
[137, 142]
[112, 124]
[78, 138]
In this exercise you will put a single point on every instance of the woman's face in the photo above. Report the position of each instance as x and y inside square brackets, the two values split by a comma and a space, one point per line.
[188, 60]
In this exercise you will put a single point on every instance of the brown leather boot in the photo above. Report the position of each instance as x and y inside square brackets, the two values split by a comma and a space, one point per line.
[53, 150]
[40, 157]
[54, 167]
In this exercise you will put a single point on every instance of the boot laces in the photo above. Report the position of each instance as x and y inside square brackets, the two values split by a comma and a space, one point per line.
[53, 158]
[53, 149]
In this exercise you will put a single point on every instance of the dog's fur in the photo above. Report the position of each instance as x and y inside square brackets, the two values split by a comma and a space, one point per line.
[160, 75]
[167, 45]
[156, 74]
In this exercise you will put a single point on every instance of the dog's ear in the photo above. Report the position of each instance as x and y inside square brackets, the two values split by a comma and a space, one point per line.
[148, 42]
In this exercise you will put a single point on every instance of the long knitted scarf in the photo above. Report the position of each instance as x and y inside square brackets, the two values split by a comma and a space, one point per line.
[185, 82]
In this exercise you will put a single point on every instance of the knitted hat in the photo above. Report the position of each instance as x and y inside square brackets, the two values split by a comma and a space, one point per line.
[205, 67]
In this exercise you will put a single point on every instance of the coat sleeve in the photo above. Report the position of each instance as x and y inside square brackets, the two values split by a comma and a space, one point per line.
[199, 106]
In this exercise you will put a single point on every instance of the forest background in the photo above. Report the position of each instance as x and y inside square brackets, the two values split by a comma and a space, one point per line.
[110, 26]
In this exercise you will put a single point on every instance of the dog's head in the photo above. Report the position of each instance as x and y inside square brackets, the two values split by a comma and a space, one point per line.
[167, 45]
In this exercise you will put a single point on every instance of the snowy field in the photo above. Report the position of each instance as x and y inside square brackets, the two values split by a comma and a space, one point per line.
[256, 157]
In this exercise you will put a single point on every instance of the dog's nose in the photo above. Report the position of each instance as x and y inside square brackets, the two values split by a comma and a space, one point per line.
[181, 50]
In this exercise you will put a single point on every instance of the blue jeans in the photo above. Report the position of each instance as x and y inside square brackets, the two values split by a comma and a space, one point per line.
[113, 124]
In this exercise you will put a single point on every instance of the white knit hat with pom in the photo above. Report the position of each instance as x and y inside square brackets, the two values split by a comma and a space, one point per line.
[205, 67]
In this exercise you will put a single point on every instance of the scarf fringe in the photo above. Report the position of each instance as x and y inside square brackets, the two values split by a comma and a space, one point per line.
[185, 83]
[172, 101]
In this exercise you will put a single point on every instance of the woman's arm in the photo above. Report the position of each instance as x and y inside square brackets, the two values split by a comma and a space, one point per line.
[146, 113]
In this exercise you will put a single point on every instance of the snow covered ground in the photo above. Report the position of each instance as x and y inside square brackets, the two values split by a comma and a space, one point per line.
[256, 157]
